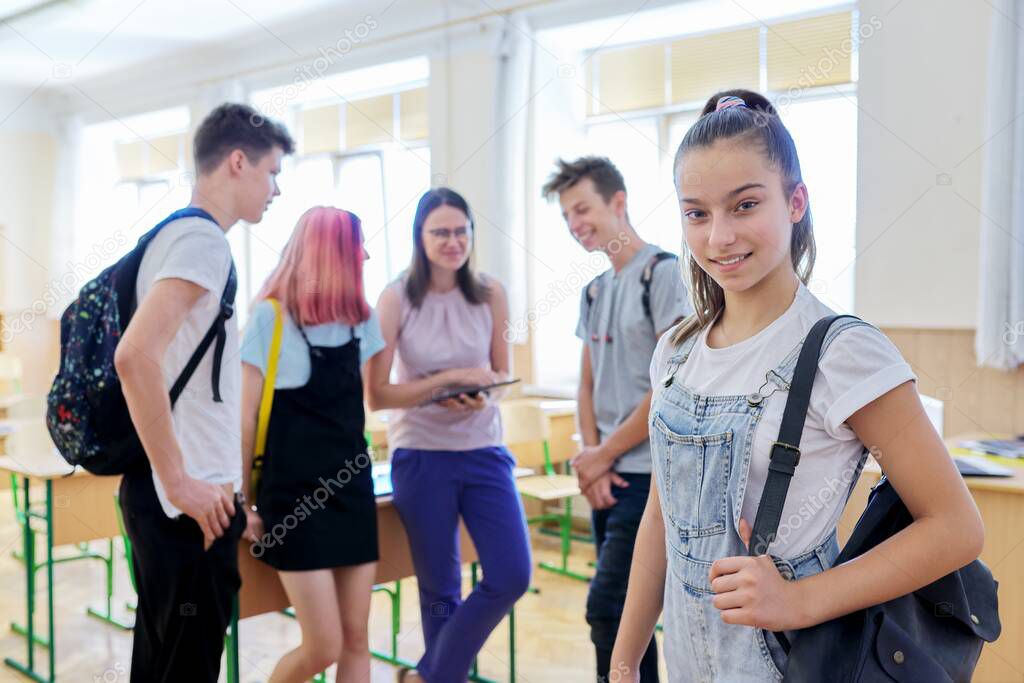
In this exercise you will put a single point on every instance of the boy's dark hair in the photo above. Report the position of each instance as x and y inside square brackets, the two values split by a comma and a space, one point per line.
[237, 126]
[602, 172]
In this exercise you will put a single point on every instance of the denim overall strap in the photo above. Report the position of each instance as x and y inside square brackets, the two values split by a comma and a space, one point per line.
[677, 359]
[701, 447]
[785, 453]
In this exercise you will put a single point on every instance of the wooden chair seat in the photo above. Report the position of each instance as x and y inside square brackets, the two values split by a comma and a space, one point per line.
[549, 486]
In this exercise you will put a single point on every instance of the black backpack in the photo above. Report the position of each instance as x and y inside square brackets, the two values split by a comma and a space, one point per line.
[933, 635]
[646, 276]
[86, 415]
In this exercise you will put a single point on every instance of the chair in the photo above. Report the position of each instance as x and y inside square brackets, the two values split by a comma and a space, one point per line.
[527, 435]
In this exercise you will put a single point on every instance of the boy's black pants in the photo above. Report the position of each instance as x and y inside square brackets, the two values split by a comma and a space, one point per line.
[185, 592]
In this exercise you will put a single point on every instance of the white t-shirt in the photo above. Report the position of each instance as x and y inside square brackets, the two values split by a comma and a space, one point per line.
[857, 367]
[209, 433]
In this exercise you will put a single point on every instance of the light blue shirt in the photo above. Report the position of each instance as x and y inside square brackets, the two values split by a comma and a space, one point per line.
[293, 368]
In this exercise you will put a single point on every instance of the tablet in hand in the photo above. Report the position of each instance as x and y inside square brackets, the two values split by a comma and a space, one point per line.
[471, 390]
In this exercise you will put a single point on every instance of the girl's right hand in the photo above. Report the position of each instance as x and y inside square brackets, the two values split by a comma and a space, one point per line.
[253, 526]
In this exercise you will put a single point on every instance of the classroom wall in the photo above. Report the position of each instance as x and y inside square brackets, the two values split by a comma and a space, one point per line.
[28, 148]
[919, 172]
[922, 99]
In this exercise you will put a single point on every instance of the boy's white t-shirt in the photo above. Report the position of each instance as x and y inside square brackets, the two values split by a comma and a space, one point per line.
[208, 433]
[858, 366]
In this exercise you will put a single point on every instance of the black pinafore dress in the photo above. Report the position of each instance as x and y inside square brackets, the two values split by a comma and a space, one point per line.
[316, 490]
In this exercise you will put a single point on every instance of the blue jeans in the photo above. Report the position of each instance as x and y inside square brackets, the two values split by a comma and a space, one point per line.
[615, 531]
[432, 490]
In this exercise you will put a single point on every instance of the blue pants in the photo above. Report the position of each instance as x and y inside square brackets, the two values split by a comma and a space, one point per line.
[615, 530]
[432, 490]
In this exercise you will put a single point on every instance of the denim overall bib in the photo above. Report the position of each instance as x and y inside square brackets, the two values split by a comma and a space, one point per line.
[701, 448]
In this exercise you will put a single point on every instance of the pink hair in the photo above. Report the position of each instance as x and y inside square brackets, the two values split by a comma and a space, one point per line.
[320, 276]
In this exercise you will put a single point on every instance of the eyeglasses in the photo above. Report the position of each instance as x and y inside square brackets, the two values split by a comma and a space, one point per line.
[445, 233]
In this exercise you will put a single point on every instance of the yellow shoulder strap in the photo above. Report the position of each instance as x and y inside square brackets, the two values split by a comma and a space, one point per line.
[269, 379]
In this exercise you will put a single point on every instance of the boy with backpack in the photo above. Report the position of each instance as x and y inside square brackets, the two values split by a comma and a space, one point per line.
[623, 312]
[157, 313]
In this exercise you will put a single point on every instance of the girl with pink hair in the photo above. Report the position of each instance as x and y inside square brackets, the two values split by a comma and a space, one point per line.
[314, 518]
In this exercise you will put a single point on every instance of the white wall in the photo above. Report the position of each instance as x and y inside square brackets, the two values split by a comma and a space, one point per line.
[28, 150]
[27, 177]
[922, 99]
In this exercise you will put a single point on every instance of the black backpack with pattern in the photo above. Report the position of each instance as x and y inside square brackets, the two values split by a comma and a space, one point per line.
[86, 414]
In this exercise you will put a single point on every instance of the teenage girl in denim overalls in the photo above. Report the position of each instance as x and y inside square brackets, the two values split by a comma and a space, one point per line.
[720, 382]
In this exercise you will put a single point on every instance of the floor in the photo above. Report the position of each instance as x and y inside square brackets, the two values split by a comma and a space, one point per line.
[553, 643]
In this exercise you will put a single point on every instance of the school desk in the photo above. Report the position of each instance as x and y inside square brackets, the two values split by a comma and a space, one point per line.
[1001, 503]
[75, 507]
[262, 591]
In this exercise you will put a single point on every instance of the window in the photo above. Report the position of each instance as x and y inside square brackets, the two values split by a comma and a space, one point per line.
[367, 153]
[637, 101]
[128, 177]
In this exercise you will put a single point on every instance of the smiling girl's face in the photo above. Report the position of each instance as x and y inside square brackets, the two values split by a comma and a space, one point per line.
[737, 216]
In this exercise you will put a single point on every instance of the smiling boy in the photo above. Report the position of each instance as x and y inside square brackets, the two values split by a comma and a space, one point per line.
[623, 312]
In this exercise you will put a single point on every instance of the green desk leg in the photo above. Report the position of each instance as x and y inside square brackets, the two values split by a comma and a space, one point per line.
[512, 645]
[28, 668]
[17, 554]
[395, 596]
[107, 614]
[565, 529]
[231, 643]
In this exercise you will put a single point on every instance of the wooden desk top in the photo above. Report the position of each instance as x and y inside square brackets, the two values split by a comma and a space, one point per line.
[1014, 484]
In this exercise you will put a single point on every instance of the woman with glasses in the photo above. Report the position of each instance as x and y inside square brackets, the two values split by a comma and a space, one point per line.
[443, 326]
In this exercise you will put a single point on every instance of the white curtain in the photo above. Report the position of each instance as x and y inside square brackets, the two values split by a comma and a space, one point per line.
[514, 53]
[999, 342]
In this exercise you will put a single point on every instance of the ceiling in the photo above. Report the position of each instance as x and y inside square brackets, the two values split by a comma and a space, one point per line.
[45, 42]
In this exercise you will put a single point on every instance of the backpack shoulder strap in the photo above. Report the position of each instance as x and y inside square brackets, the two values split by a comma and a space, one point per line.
[647, 275]
[128, 266]
[785, 453]
[590, 292]
[218, 333]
